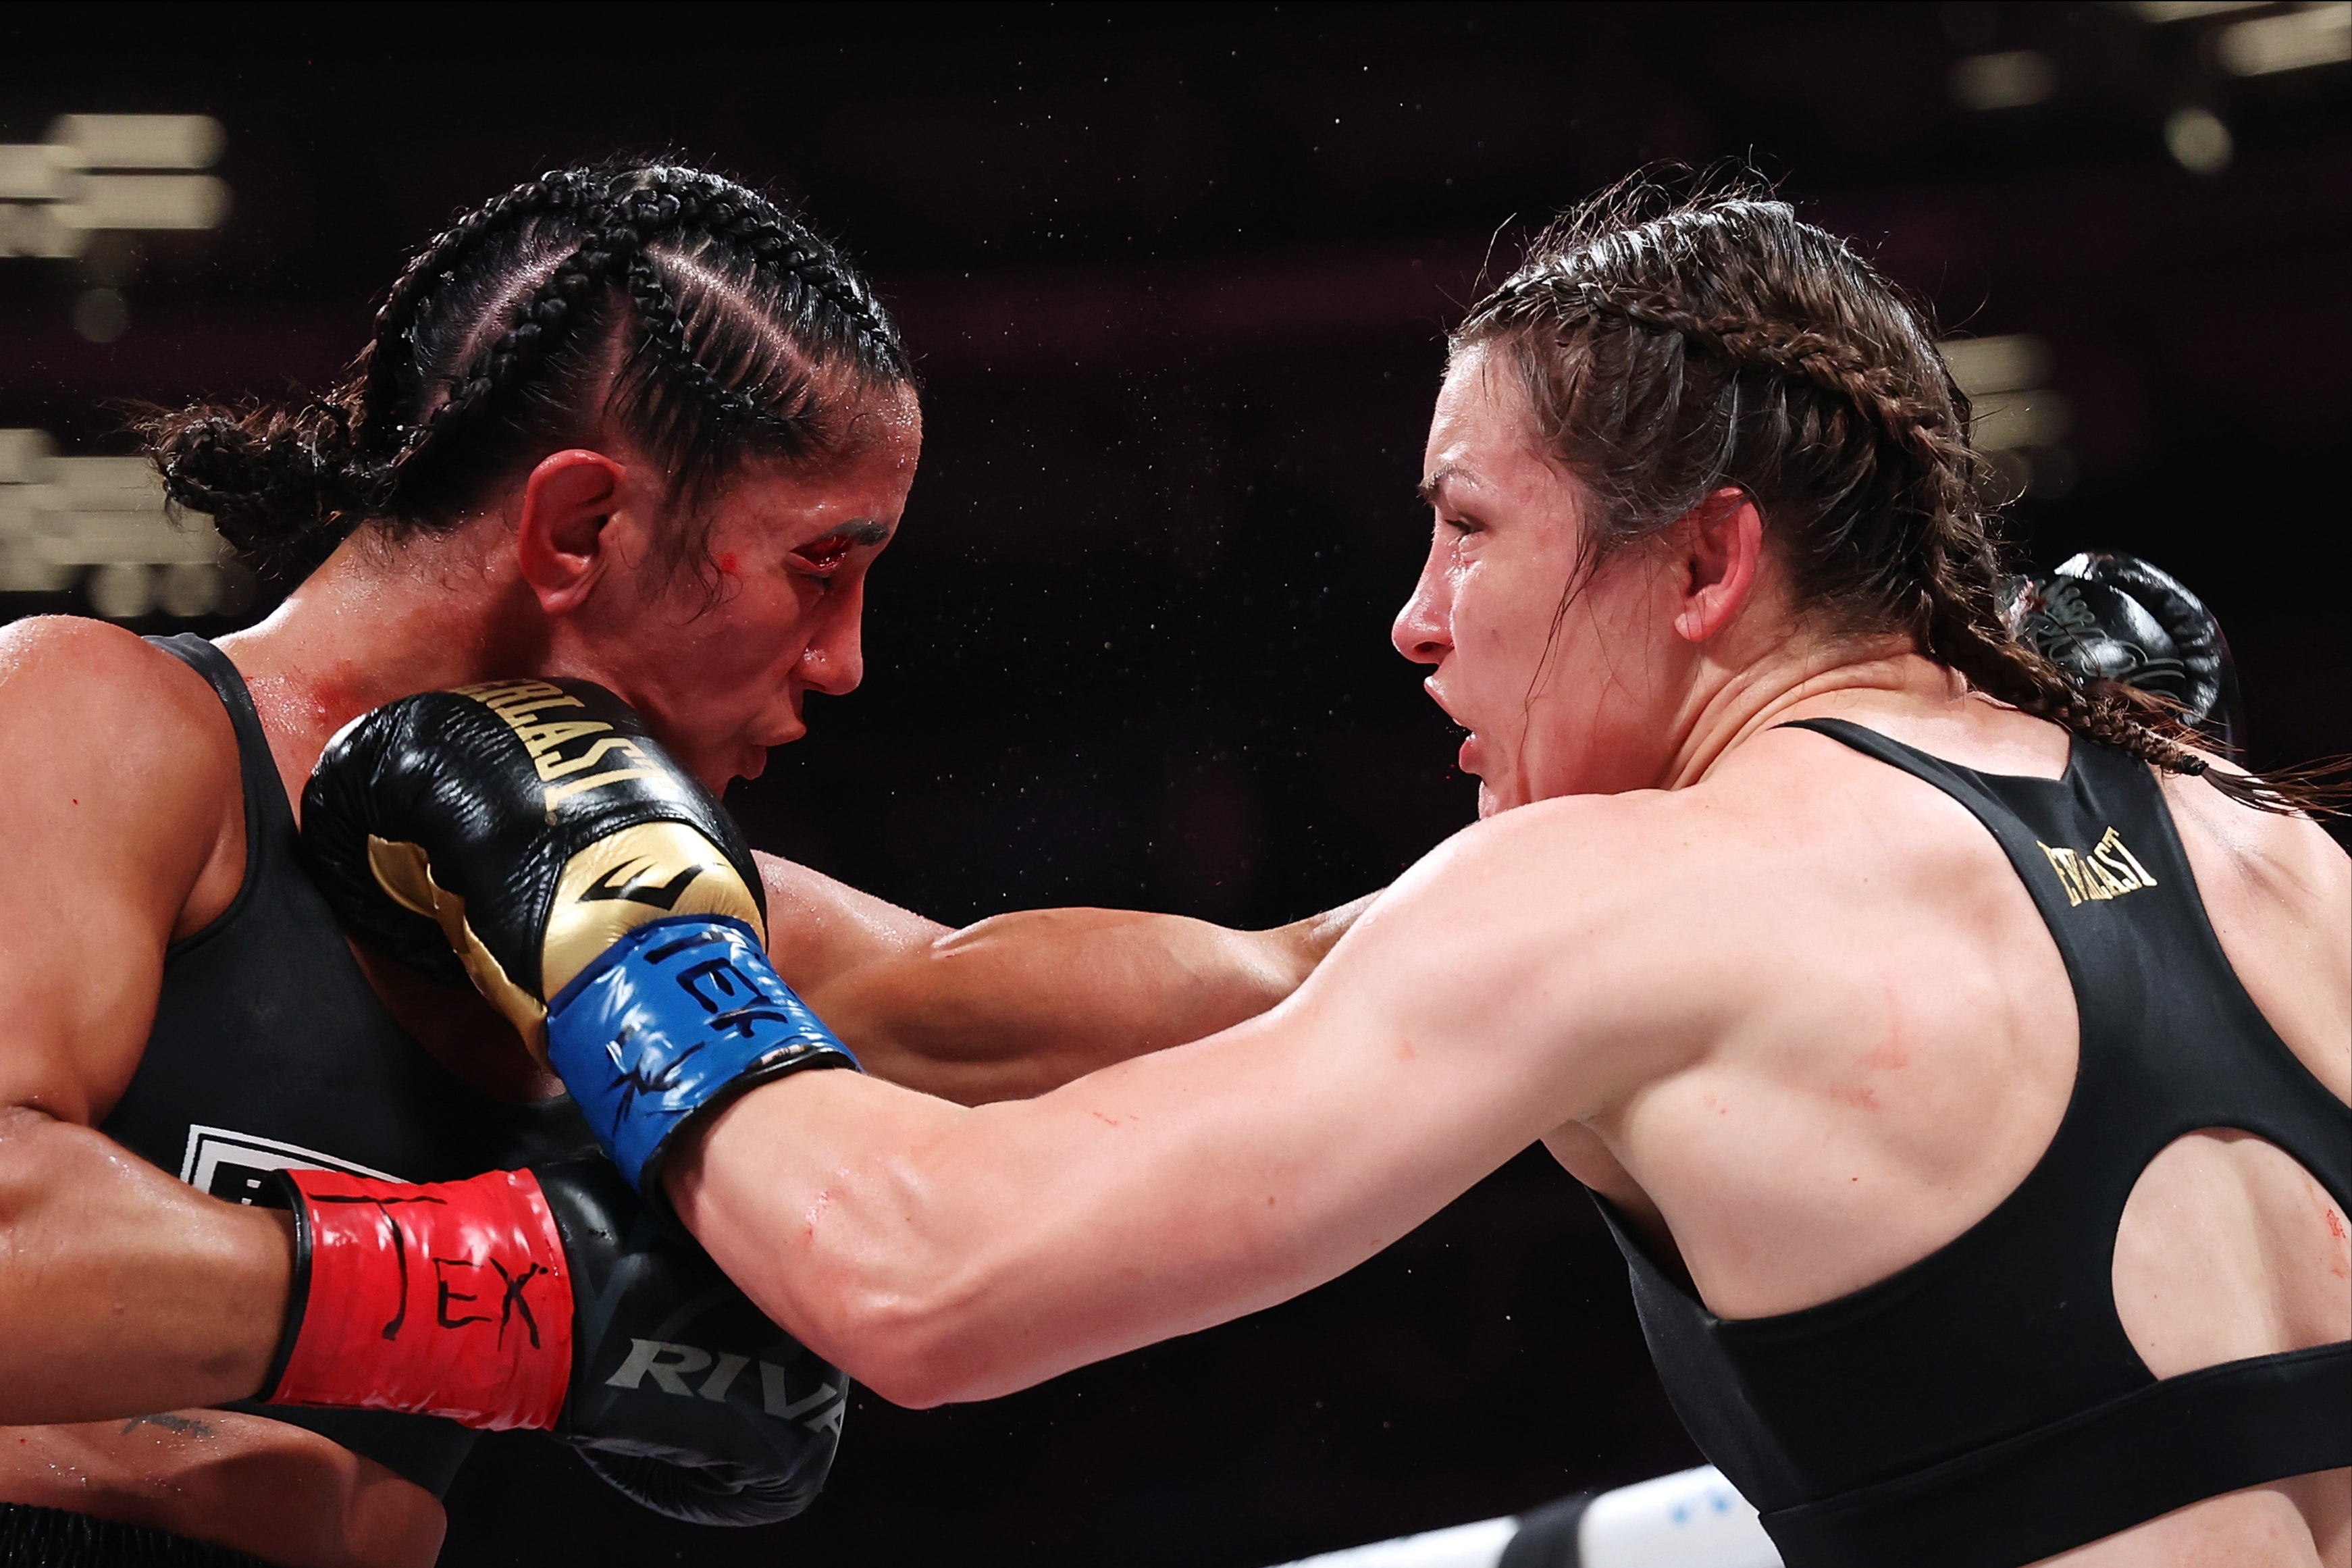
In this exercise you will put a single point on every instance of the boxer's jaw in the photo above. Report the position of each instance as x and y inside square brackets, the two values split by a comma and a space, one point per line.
[719, 660]
[566, 571]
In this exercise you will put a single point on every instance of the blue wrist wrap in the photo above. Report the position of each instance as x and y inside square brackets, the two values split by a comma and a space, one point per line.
[679, 1014]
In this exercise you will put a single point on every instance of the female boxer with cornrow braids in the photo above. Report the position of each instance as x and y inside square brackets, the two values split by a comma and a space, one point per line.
[1960, 1059]
[633, 428]
[688, 310]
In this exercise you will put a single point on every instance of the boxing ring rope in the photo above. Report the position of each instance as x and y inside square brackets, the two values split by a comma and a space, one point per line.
[1693, 1519]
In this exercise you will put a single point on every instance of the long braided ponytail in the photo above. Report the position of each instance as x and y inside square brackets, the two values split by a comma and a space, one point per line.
[711, 327]
[1673, 348]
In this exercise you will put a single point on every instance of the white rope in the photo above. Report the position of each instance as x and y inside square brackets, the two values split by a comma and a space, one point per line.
[1693, 1518]
[1477, 1545]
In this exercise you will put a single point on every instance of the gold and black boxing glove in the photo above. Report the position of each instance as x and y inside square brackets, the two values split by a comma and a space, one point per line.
[531, 837]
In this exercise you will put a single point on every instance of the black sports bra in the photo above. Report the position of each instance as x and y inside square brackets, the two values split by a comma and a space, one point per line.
[1984, 1408]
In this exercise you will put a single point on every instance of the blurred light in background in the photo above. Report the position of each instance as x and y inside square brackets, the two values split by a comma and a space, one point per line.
[2212, 46]
[140, 140]
[97, 172]
[2159, 12]
[95, 180]
[1996, 365]
[102, 521]
[2019, 422]
[2198, 141]
[2011, 79]
[2306, 36]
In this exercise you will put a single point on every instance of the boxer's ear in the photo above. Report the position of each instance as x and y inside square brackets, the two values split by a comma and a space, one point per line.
[1718, 551]
[565, 539]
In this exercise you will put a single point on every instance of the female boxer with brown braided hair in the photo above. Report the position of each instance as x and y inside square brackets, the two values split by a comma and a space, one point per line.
[1969, 1095]
[633, 424]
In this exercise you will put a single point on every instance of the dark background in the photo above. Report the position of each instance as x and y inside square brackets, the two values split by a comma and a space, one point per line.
[1178, 278]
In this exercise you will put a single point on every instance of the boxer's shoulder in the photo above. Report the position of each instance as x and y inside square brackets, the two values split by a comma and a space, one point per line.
[1648, 923]
[2278, 890]
[125, 832]
[2285, 854]
[1642, 856]
[103, 688]
[121, 767]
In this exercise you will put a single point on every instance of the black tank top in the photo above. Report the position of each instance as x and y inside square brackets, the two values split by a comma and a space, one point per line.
[1983, 1407]
[270, 1050]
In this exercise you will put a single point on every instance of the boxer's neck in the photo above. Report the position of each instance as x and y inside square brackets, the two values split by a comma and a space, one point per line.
[380, 620]
[1738, 705]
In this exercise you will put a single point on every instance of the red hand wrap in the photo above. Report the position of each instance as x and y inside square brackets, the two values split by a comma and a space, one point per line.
[451, 1299]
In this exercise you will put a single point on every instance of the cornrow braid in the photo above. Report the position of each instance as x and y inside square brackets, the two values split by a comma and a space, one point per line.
[665, 337]
[612, 250]
[389, 354]
[1832, 365]
[672, 201]
[799, 262]
[671, 306]
[1671, 348]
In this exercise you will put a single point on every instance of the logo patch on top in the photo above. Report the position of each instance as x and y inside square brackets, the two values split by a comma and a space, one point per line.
[231, 1167]
[2106, 871]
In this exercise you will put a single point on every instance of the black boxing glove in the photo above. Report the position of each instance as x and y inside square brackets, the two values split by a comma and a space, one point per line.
[2104, 616]
[669, 1339]
[548, 1299]
[531, 835]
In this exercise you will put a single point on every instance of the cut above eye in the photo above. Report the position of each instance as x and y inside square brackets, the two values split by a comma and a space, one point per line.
[826, 554]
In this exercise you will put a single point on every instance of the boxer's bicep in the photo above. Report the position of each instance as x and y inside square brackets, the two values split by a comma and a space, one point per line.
[118, 793]
[1540, 960]
[1526, 976]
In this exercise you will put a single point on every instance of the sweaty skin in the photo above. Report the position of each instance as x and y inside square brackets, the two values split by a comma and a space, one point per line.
[1790, 1008]
[128, 1300]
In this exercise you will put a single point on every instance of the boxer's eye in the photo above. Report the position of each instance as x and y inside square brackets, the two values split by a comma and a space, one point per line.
[824, 556]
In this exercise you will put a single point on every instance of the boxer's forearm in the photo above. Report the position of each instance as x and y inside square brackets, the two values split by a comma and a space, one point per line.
[122, 1291]
[1026, 1002]
[1023, 1003]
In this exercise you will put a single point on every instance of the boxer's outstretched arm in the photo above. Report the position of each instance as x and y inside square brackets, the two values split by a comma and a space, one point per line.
[938, 1252]
[121, 1290]
[1022, 1002]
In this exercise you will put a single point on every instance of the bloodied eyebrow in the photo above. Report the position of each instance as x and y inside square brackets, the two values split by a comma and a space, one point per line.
[852, 533]
[827, 553]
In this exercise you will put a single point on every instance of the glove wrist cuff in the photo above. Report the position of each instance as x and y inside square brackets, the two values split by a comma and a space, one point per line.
[668, 1023]
[450, 1298]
